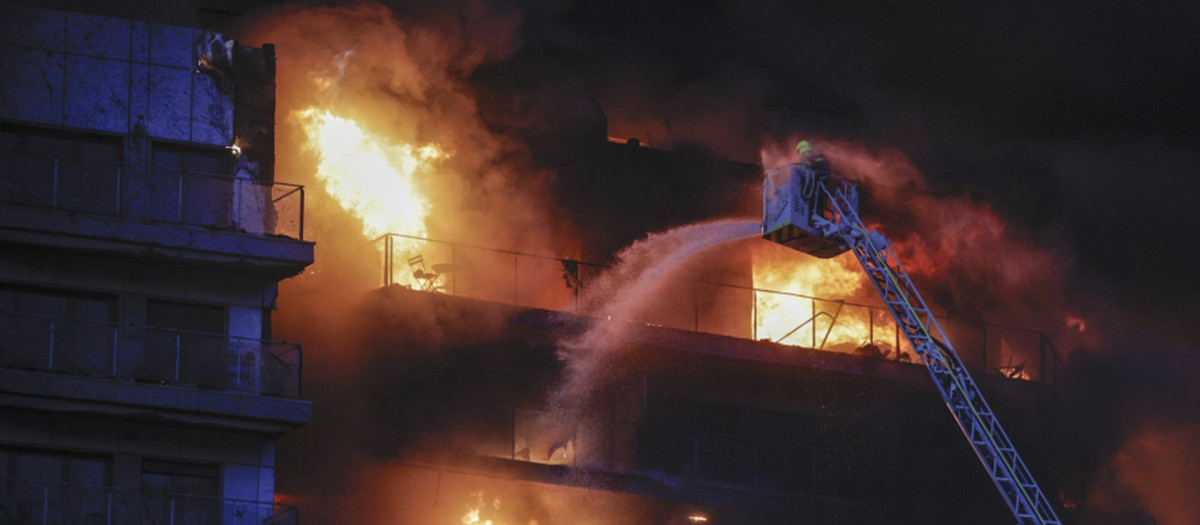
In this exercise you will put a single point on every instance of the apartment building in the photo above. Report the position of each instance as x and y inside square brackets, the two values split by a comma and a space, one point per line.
[143, 235]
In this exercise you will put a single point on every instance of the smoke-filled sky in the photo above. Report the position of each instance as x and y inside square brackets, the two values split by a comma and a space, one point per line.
[1074, 124]
[1074, 119]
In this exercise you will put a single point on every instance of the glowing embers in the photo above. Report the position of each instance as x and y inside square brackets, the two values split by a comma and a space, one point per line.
[486, 511]
[373, 178]
[478, 507]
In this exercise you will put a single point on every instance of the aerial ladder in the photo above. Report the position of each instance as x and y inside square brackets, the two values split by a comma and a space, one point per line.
[808, 208]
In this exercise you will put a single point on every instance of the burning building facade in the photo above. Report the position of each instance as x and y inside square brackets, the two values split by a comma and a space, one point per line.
[750, 389]
[142, 239]
[457, 413]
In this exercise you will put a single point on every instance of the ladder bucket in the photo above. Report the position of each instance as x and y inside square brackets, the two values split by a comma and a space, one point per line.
[795, 201]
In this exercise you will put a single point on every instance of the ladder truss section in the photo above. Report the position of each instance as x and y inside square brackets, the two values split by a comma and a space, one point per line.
[964, 399]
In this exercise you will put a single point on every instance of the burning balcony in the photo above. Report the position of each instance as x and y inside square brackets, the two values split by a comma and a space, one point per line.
[711, 306]
[47, 503]
[149, 355]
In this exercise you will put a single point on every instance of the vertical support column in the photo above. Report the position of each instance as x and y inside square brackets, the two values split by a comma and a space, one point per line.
[871, 324]
[116, 349]
[179, 197]
[813, 311]
[54, 185]
[387, 260]
[117, 206]
[50, 365]
[754, 314]
[301, 213]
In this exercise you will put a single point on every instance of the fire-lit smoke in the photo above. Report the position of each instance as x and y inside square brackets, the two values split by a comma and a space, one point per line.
[377, 117]
[1158, 470]
[967, 261]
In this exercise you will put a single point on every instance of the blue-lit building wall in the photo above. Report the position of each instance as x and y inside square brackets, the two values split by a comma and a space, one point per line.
[140, 257]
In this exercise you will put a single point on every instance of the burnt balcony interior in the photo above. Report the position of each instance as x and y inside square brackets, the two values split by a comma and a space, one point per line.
[718, 303]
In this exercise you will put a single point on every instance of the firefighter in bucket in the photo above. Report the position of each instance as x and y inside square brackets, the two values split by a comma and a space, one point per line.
[818, 165]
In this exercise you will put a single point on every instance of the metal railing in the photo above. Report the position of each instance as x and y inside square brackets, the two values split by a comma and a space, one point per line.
[149, 354]
[555, 283]
[667, 452]
[153, 194]
[24, 502]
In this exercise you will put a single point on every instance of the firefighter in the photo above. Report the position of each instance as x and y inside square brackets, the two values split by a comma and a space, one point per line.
[811, 158]
[818, 167]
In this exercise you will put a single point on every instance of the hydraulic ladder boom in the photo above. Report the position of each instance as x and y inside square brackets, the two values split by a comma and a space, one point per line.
[835, 218]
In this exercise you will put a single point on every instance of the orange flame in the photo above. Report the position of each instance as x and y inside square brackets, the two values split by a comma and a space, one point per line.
[475, 509]
[779, 315]
[373, 178]
[815, 316]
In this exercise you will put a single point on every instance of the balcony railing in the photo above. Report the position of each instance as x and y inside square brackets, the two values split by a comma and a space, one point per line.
[149, 354]
[152, 194]
[667, 452]
[43, 503]
[554, 283]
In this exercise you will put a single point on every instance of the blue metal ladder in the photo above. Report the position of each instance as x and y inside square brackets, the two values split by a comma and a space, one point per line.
[964, 399]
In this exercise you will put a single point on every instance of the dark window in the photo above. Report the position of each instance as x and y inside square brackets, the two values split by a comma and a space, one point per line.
[786, 467]
[665, 450]
[60, 169]
[68, 488]
[180, 315]
[60, 143]
[61, 330]
[185, 493]
[207, 160]
[186, 343]
[725, 460]
[191, 184]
